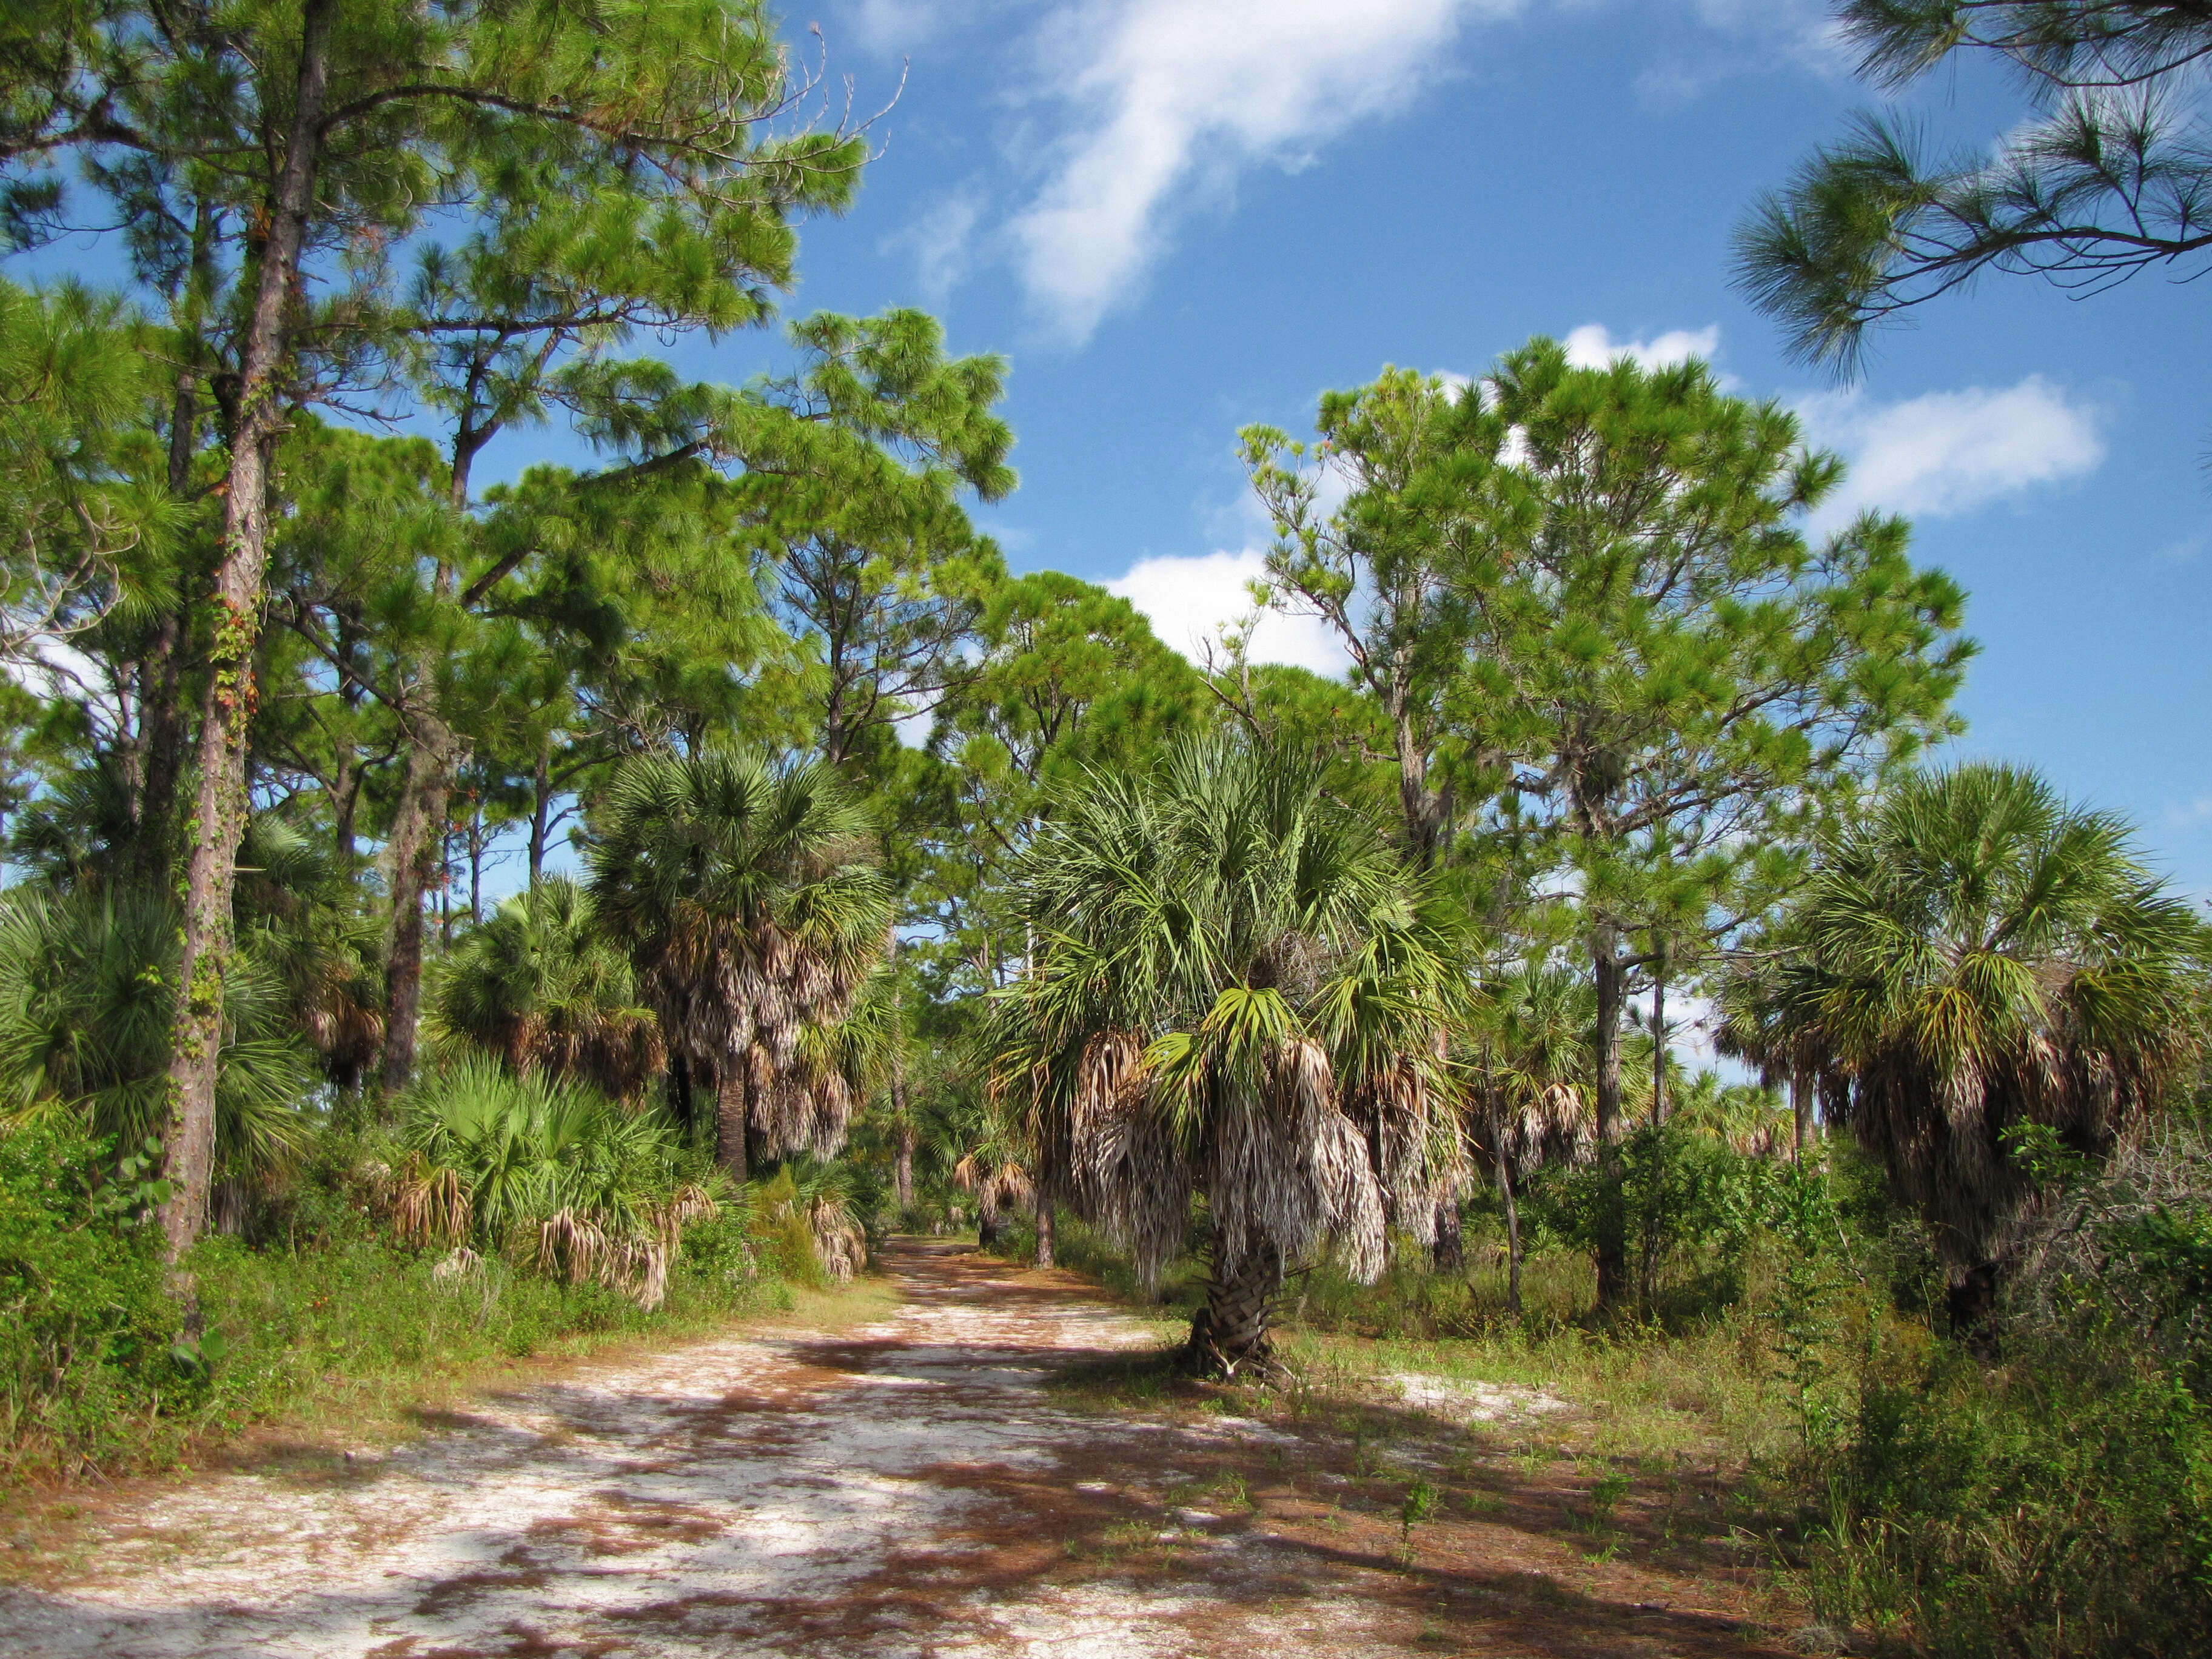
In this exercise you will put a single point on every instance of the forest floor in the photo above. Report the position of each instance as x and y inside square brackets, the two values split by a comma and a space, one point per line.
[996, 1467]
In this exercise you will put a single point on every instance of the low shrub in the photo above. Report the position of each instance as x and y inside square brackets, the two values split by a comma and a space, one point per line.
[88, 1340]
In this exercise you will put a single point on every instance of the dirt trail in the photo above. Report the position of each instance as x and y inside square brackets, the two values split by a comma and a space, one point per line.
[908, 1488]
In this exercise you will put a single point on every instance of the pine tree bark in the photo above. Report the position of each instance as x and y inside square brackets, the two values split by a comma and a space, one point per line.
[1512, 1238]
[1230, 1332]
[418, 848]
[902, 1164]
[418, 830]
[1611, 977]
[161, 736]
[227, 710]
[1800, 1108]
[541, 808]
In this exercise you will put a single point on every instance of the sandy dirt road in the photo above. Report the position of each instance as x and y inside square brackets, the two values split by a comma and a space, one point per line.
[910, 1488]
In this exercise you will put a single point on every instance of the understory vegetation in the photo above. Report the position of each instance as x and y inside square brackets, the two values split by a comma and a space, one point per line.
[2048, 1497]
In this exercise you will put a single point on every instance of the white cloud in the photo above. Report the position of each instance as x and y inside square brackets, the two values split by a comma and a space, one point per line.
[1591, 347]
[1170, 92]
[940, 238]
[1190, 600]
[1952, 452]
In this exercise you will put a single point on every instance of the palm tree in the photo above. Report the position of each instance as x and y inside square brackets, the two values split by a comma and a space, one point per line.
[1532, 1103]
[498, 1159]
[980, 1146]
[1769, 1007]
[747, 895]
[86, 1000]
[1235, 993]
[1980, 956]
[541, 986]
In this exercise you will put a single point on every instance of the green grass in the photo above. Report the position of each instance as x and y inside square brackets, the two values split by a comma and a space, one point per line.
[332, 1327]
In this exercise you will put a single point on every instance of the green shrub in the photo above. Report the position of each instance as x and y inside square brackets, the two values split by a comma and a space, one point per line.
[2062, 1506]
[87, 1337]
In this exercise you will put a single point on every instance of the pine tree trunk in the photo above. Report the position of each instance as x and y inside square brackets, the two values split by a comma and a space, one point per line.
[730, 1115]
[1229, 1334]
[902, 1169]
[227, 710]
[1800, 1108]
[418, 853]
[1613, 1287]
[541, 808]
[161, 743]
[160, 737]
[1512, 1238]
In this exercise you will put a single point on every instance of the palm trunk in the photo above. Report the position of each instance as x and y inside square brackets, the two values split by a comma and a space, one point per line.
[1613, 1235]
[1450, 1254]
[986, 1219]
[227, 710]
[1512, 1238]
[1230, 1334]
[1046, 1238]
[730, 1115]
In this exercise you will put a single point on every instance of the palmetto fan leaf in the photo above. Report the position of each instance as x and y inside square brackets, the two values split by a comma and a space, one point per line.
[1233, 995]
[539, 986]
[87, 992]
[747, 896]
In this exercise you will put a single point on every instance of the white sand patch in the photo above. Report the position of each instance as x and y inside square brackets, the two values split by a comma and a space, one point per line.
[1471, 1402]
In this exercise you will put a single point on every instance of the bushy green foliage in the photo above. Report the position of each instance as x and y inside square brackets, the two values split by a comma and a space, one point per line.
[88, 1336]
[97, 1375]
[2059, 1507]
[1683, 1206]
[2054, 1501]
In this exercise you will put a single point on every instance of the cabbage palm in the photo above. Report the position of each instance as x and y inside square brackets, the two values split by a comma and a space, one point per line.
[1987, 957]
[539, 986]
[1235, 993]
[980, 1144]
[495, 1158]
[1532, 1098]
[748, 896]
[86, 1004]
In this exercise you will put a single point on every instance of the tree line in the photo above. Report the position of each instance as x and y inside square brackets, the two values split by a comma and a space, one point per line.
[1304, 957]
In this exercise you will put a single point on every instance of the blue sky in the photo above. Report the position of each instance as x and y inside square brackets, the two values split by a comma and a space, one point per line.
[1178, 216]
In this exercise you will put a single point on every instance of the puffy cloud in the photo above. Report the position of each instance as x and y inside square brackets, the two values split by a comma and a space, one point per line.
[1189, 601]
[1951, 451]
[1591, 347]
[1166, 91]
